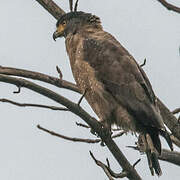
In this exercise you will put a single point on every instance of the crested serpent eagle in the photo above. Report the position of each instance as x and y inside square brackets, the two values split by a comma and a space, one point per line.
[116, 87]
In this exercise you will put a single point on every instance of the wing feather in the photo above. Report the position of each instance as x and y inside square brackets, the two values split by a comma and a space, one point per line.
[123, 78]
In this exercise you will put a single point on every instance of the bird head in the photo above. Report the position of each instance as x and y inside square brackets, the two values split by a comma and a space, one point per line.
[73, 22]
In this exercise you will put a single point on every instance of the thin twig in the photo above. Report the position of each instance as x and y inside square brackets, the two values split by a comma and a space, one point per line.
[118, 134]
[59, 72]
[144, 63]
[33, 105]
[18, 91]
[80, 100]
[136, 163]
[82, 125]
[69, 138]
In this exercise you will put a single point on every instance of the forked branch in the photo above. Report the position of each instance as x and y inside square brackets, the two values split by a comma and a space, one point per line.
[76, 109]
[90, 141]
[106, 168]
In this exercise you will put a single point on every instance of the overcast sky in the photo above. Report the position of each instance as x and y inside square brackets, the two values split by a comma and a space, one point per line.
[144, 27]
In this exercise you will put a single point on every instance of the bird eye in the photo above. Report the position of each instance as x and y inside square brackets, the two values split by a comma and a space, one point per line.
[64, 23]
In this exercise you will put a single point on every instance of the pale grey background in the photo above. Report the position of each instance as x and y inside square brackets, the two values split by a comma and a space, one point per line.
[144, 27]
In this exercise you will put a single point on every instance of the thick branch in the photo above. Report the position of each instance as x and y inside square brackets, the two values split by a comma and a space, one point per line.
[169, 6]
[52, 8]
[170, 120]
[170, 156]
[166, 155]
[92, 122]
[39, 76]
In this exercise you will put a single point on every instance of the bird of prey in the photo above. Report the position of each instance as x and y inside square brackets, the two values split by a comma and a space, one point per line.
[116, 87]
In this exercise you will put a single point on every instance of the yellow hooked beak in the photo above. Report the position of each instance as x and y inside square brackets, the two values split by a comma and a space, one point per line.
[59, 32]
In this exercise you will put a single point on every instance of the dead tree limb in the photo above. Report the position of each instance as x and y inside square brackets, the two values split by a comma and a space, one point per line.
[169, 6]
[110, 174]
[169, 119]
[57, 12]
[55, 108]
[90, 141]
[170, 156]
[52, 8]
[166, 155]
[39, 76]
[103, 133]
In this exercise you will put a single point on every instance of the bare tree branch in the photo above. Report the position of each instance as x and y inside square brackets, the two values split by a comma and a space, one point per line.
[57, 12]
[18, 91]
[169, 119]
[144, 63]
[170, 156]
[80, 100]
[170, 6]
[110, 174]
[166, 155]
[136, 162]
[82, 125]
[52, 8]
[92, 122]
[59, 72]
[39, 76]
[33, 105]
[91, 141]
